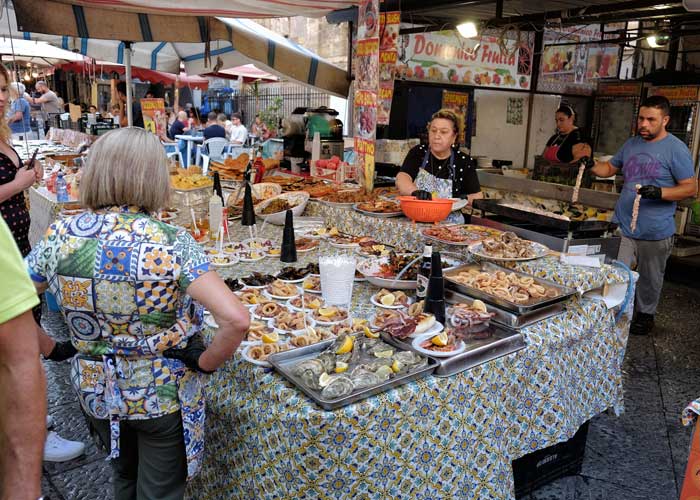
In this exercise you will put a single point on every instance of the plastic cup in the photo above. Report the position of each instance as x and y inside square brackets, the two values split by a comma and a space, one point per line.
[337, 278]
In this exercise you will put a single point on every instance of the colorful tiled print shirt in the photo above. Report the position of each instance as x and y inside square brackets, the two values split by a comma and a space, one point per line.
[120, 278]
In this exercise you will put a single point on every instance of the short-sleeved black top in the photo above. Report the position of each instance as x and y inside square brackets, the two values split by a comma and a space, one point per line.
[14, 209]
[566, 144]
[465, 181]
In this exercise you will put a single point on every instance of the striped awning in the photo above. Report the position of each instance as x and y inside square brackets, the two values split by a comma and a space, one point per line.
[161, 42]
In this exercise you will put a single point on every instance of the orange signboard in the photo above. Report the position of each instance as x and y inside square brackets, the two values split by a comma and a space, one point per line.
[677, 93]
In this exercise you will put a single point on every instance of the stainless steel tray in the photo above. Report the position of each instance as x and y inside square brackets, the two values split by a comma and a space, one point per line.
[508, 318]
[564, 292]
[283, 362]
[502, 342]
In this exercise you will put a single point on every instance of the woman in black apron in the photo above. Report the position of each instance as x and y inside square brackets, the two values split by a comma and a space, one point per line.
[568, 144]
[440, 170]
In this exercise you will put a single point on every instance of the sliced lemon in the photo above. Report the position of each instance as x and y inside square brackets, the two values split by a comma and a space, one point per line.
[384, 372]
[341, 367]
[346, 346]
[388, 299]
[370, 334]
[308, 285]
[270, 338]
[275, 251]
[326, 312]
[479, 305]
[378, 248]
[314, 304]
[333, 231]
[384, 354]
[253, 300]
[321, 231]
[440, 340]
[324, 379]
[396, 366]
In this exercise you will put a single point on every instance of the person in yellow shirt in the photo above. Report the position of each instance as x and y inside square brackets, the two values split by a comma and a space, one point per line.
[22, 382]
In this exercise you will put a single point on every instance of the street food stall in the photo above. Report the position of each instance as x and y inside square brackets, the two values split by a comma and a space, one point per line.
[615, 109]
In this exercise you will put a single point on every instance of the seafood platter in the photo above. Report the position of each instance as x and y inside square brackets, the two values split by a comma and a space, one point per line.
[399, 270]
[460, 234]
[507, 289]
[379, 208]
[341, 371]
[508, 247]
[469, 338]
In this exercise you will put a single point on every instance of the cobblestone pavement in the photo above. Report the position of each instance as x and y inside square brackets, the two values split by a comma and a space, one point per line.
[639, 455]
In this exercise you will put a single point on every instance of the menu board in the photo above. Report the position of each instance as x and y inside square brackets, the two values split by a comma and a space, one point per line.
[366, 91]
[154, 117]
[576, 68]
[486, 61]
[459, 103]
[389, 23]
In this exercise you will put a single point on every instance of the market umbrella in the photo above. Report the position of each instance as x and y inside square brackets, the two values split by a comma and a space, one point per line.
[161, 41]
[41, 53]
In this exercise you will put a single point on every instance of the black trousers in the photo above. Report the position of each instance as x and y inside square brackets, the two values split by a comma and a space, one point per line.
[152, 464]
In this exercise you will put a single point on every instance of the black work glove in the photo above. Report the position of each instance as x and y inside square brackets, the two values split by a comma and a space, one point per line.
[650, 192]
[62, 351]
[189, 354]
[421, 194]
[587, 161]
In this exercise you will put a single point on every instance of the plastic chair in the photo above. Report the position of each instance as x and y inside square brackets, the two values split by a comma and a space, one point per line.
[213, 149]
[177, 155]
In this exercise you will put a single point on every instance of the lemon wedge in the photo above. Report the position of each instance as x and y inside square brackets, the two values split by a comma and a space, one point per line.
[388, 299]
[326, 312]
[333, 231]
[440, 340]
[378, 248]
[479, 305]
[321, 231]
[275, 251]
[270, 338]
[384, 372]
[384, 354]
[346, 346]
[396, 366]
[370, 334]
[253, 300]
[308, 285]
[324, 379]
[341, 367]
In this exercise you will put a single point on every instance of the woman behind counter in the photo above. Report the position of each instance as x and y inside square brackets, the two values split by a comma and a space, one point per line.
[568, 144]
[440, 169]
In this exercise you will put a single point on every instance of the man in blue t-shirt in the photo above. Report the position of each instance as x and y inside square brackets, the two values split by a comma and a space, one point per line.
[657, 166]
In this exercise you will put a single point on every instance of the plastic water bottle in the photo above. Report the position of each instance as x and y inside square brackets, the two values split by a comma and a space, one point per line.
[61, 189]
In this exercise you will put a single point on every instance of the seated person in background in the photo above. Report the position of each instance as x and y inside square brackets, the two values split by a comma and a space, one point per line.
[223, 120]
[92, 109]
[213, 129]
[239, 134]
[259, 129]
[179, 126]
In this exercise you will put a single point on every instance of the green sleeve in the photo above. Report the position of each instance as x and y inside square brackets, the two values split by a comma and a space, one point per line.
[17, 293]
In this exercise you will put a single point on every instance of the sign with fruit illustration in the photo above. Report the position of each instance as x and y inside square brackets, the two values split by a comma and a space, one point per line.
[488, 61]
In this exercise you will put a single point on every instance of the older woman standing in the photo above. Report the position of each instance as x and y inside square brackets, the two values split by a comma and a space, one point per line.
[125, 283]
[568, 144]
[20, 113]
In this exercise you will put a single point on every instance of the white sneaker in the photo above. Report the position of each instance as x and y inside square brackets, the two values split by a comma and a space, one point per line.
[49, 421]
[57, 449]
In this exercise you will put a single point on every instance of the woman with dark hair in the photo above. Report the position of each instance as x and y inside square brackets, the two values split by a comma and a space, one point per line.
[439, 169]
[568, 144]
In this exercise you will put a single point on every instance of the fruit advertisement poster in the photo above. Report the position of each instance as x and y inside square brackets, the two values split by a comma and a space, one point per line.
[486, 61]
[154, 118]
[366, 90]
[389, 23]
[575, 67]
[459, 103]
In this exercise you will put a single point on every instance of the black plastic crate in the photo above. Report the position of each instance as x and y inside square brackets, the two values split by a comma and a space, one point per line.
[541, 467]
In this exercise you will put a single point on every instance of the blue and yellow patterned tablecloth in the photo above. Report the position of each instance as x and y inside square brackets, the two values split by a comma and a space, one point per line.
[434, 438]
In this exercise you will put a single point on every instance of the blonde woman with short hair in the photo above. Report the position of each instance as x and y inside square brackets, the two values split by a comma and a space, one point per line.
[130, 287]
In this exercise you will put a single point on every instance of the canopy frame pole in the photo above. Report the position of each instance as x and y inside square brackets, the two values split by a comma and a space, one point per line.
[127, 77]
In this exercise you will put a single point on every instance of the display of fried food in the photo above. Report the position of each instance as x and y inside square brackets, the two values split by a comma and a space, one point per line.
[279, 288]
[416, 308]
[179, 181]
[310, 303]
[374, 249]
[256, 330]
[312, 283]
[356, 325]
[508, 246]
[330, 314]
[277, 205]
[290, 321]
[510, 286]
[312, 336]
[238, 163]
[388, 298]
[290, 273]
[282, 181]
[269, 310]
[303, 244]
[250, 296]
[263, 351]
[258, 279]
[191, 170]
[443, 342]
[379, 206]
[462, 233]
[320, 190]
[470, 321]
[347, 197]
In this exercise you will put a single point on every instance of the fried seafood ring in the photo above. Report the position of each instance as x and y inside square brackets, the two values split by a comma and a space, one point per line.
[269, 309]
[527, 281]
[416, 308]
[551, 293]
[256, 330]
[250, 297]
[520, 297]
[269, 349]
[302, 341]
[256, 352]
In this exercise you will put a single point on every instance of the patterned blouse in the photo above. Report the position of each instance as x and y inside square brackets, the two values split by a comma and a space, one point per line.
[120, 279]
[14, 209]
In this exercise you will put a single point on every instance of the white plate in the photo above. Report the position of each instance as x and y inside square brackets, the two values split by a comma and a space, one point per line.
[293, 282]
[254, 315]
[299, 309]
[433, 330]
[309, 323]
[380, 215]
[342, 245]
[330, 323]
[459, 205]
[280, 297]
[245, 356]
[374, 301]
[461, 346]
[232, 260]
[539, 248]
[248, 259]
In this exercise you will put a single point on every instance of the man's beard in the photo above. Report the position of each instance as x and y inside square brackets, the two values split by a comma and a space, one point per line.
[649, 136]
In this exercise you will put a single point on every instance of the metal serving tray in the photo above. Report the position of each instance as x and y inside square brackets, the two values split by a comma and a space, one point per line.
[284, 361]
[494, 206]
[507, 318]
[564, 292]
[503, 341]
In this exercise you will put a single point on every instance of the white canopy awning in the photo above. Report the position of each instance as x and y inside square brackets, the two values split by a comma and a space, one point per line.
[40, 53]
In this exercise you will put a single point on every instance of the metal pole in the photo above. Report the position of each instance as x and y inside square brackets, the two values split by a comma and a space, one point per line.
[127, 77]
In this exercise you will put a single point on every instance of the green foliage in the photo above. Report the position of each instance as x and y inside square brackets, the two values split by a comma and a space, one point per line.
[271, 115]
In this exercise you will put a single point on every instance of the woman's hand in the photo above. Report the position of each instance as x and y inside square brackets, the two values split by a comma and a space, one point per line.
[38, 170]
[24, 178]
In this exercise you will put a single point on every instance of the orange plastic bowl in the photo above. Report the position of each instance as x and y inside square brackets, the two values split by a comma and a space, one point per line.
[425, 210]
